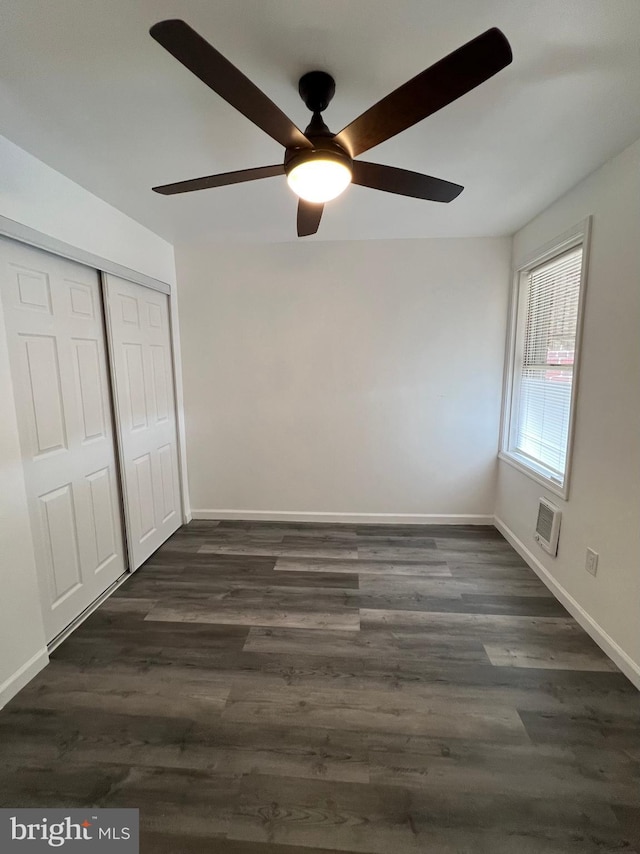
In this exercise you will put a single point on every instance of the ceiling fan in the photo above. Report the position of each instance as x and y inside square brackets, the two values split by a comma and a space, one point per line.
[319, 164]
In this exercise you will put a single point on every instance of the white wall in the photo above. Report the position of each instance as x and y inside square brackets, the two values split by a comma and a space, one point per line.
[33, 194]
[603, 508]
[344, 378]
[36, 196]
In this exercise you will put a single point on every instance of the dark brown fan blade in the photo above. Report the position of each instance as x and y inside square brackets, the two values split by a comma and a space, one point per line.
[221, 180]
[219, 74]
[403, 182]
[309, 215]
[434, 88]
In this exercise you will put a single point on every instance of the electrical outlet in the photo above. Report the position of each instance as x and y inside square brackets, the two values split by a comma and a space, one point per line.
[591, 562]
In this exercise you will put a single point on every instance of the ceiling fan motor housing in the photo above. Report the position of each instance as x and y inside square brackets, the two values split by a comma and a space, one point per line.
[324, 148]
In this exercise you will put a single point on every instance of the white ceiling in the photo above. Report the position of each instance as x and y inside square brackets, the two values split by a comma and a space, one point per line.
[85, 88]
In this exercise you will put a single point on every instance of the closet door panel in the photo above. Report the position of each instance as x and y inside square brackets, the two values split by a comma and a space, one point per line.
[140, 346]
[55, 328]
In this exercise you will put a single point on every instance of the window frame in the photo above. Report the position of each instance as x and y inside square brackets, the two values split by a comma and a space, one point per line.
[579, 235]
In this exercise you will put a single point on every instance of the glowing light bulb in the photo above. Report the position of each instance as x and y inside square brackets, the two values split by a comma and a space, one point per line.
[319, 180]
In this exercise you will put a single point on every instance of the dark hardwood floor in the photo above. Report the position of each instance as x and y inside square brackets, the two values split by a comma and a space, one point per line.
[272, 689]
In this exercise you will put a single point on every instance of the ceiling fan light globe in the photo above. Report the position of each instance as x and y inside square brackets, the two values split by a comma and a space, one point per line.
[319, 180]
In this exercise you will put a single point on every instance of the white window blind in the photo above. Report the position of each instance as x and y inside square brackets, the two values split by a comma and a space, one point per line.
[545, 352]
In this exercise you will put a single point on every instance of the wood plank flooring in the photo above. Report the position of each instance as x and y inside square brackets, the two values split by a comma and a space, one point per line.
[262, 688]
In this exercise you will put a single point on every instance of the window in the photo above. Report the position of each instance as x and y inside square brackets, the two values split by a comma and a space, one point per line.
[543, 354]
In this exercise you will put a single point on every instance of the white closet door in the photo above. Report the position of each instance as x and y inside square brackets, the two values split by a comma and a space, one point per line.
[53, 314]
[140, 345]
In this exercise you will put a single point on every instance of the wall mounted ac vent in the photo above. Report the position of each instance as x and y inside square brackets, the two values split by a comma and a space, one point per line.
[548, 526]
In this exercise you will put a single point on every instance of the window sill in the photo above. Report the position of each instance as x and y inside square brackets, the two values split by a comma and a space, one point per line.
[537, 474]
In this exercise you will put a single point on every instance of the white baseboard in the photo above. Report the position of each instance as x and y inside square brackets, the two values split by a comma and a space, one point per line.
[21, 677]
[345, 518]
[606, 643]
